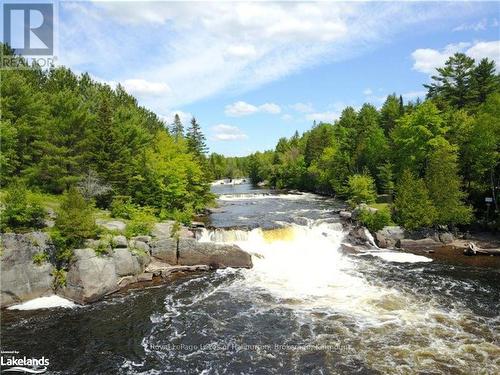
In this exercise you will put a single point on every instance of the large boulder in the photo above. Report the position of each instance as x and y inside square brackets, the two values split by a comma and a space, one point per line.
[192, 252]
[113, 225]
[90, 276]
[389, 236]
[165, 249]
[163, 229]
[20, 278]
[119, 241]
[126, 263]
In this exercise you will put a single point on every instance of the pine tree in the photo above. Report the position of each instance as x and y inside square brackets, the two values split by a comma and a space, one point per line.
[453, 83]
[177, 129]
[389, 113]
[444, 183]
[412, 206]
[484, 80]
[386, 178]
[196, 139]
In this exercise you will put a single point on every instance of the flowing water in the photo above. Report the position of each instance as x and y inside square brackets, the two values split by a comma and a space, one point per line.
[304, 308]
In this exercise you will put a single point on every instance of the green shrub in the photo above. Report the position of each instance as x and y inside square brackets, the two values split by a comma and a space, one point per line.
[59, 278]
[40, 258]
[142, 222]
[375, 221]
[75, 220]
[103, 248]
[413, 208]
[122, 207]
[21, 211]
[361, 189]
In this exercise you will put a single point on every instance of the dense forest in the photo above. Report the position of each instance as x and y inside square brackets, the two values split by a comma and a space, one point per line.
[61, 130]
[436, 161]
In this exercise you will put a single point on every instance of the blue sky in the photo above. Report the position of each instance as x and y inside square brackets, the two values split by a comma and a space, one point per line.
[253, 72]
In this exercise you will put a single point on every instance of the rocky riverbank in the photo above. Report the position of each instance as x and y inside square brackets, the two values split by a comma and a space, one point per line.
[479, 249]
[94, 273]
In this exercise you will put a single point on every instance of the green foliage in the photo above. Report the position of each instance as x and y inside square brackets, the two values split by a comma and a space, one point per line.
[375, 221]
[122, 207]
[104, 246]
[444, 184]
[75, 220]
[196, 139]
[40, 258]
[21, 211]
[59, 278]
[141, 223]
[59, 129]
[361, 189]
[413, 207]
[463, 84]
[386, 178]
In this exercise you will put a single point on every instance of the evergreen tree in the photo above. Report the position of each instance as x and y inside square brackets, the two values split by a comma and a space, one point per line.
[390, 112]
[177, 129]
[454, 81]
[413, 207]
[75, 219]
[196, 139]
[386, 178]
[443, 184]
[484, 80]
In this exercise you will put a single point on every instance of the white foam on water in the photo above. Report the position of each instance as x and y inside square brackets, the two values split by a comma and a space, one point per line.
[49, 302]
[399, 257]
[259, 196]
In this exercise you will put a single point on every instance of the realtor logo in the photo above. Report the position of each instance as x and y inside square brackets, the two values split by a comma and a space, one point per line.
[28, 28]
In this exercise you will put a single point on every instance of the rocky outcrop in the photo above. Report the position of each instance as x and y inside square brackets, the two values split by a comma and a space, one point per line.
[191, 252]
[165, 249]
[120, 262]
[113, 225]
[20, 278]
[91, 276]
[389, 236]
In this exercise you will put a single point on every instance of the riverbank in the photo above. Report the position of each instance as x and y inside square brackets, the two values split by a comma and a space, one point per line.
[95, 272]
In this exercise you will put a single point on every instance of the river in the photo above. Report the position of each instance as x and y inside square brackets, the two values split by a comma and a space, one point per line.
[304, 308]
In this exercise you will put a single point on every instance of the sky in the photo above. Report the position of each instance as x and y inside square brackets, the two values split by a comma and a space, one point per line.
[254, 72]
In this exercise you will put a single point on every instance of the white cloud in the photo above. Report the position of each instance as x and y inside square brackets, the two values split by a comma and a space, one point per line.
[302, 107]
[426, 60]
[328, 116]
[202, 50]
[184, 116]
[367, 92]
[481, 50]
[270, 108]
[141, 87]
[413, 95]
[242, 108]
[242, 51]
[223, 132]
[476, 26]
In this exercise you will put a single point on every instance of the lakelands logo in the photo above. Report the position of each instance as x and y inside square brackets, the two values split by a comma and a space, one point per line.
[10, 363]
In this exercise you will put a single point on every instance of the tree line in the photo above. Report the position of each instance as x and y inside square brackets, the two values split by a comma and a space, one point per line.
[437, 161]
[61, 130]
